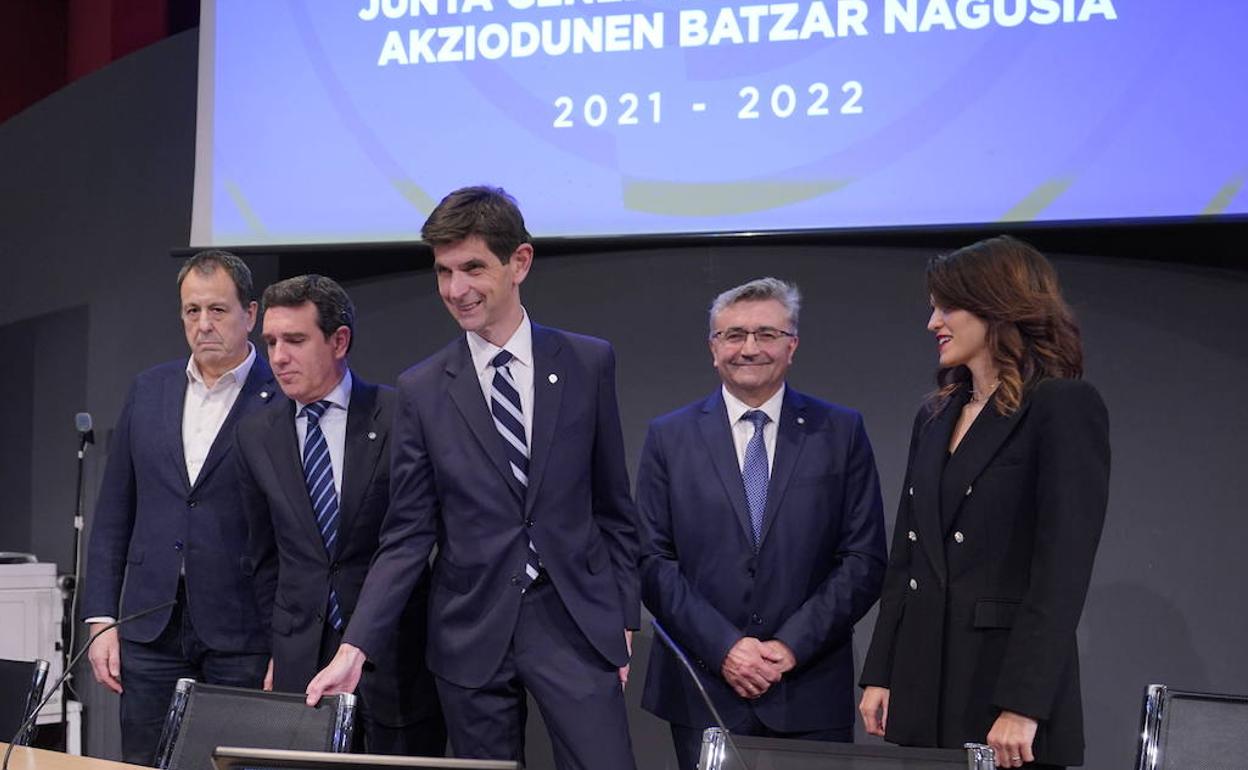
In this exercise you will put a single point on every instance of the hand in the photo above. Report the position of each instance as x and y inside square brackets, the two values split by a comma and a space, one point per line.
[779, 655]
[268, 678]
[628, 642]
[874, 710]
[1010, 738]
[340, 676]
[105, 657]
[747, 671]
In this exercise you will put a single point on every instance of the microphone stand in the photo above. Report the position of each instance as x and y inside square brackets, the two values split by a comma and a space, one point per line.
[693, 675]
[69, 590]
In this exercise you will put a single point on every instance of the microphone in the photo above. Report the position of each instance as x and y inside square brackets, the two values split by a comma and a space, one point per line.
[26, 723]
[693, 674]
[82, 421]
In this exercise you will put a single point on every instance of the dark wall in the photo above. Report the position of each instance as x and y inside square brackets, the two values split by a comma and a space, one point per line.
[45, 386]
[15, 396]
[96, 190]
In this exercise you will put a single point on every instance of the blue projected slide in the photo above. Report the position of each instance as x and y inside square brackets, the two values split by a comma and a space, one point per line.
[346, 121]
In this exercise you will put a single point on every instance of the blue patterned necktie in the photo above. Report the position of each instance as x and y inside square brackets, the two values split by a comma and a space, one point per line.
[509, 420]
[319, 475]
[755, 473]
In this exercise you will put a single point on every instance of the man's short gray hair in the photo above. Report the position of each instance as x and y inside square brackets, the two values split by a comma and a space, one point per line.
[758, 290]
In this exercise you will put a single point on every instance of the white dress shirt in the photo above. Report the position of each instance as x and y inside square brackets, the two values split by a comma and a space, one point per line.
[743, 430]
[333, 425]
[204, 410]
[521, 366]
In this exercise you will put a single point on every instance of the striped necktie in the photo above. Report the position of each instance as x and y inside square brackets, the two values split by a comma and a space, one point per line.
[509, 420]
[318, 473]
[755, 472]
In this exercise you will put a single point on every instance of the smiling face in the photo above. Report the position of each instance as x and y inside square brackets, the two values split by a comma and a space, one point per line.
[306, 363]
[750, 370]
[961, 336]
[481, 293]
[215, 321]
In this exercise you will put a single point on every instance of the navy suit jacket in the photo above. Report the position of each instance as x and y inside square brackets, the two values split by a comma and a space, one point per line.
[816, 571]
[150, 520]
[451, 485]
[293, 570]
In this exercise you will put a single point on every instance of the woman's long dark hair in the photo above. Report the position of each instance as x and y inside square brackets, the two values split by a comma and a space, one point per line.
[1032, 334]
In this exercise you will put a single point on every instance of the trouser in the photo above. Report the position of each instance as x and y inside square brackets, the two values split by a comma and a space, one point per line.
[424, 738]
[577, 690]
[150, 672]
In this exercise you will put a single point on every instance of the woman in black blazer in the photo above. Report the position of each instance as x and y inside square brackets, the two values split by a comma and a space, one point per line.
[1000, 516]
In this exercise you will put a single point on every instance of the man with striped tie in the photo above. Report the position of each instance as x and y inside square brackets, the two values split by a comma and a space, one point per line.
[508, 455]
[314, 471]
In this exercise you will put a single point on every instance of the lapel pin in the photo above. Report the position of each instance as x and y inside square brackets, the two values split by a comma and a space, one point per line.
[553, 378]
[801, 420]
[264, 394]
[372, 435]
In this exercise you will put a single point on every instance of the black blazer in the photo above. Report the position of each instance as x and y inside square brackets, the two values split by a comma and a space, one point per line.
[293, 573]
[980, 605]
[151, 523]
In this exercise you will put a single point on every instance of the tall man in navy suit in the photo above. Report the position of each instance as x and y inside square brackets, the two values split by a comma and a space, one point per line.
[764, 539]
[508, 454]
[315, 474]
[168, 523]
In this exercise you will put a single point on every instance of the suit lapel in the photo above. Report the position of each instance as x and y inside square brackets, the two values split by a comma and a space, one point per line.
[925, 481]
[465, 390]
[257, 389]
[713, 423]
[360, 452]
[790, 436]
[548, 381]
[174, 403]
[282, 446]
[975, 451]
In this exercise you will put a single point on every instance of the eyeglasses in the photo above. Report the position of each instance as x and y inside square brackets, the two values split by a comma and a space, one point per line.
[763, 335]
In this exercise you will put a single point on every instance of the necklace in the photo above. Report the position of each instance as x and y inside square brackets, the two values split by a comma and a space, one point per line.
[977, 397]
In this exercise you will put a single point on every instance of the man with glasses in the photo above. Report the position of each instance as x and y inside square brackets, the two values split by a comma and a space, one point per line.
[765, 539]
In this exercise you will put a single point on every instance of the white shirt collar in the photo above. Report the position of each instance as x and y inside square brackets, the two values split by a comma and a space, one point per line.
[520, 346]
[340, 396]
[236, 375]
[737, 407]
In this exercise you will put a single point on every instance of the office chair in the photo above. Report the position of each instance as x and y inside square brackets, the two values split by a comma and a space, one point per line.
[1192, 730]
[202, 717]
[22, 683]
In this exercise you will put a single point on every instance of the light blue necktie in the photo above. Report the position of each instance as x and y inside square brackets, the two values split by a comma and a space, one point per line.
[755, 473]
[318, 473]
[509, 420]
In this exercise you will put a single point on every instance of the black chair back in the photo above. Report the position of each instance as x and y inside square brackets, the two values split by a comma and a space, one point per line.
[202, 717]
[1183, 729]
[21, 689]
[739, 752]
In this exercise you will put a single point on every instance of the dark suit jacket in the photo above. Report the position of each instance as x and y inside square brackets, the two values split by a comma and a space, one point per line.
[293, 571]
[149, 519]
[817, 569]
[979, 610]
[450, 484]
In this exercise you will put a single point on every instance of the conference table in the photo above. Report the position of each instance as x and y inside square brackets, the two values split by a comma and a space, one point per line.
[26, 758]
